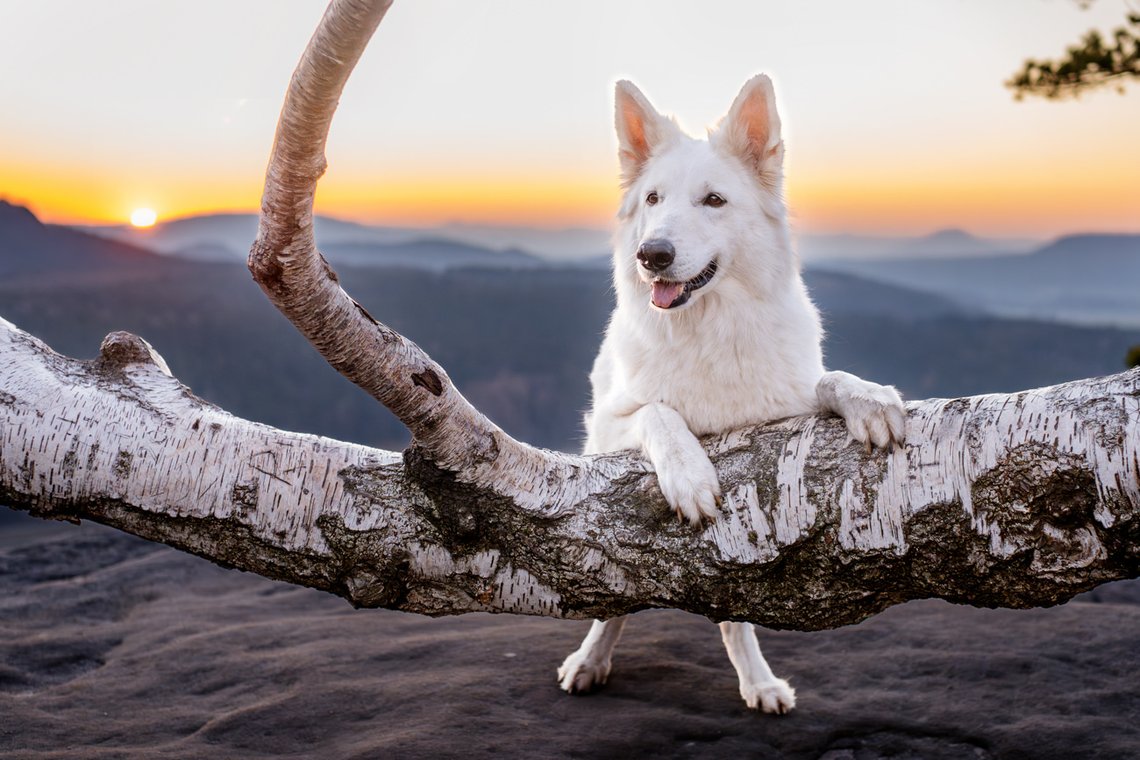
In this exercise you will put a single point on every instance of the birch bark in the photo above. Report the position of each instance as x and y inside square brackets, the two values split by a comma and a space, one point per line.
[1002, 500]
[1018, 500]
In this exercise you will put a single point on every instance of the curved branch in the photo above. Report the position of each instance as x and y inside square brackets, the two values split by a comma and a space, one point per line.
[1016, 501]
[446, 429]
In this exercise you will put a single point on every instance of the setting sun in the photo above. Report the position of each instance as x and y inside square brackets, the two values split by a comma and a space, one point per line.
[143, 217]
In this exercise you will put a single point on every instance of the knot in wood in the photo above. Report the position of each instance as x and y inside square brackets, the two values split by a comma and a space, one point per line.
[1042, 499]
[121, 349]
[428, 379]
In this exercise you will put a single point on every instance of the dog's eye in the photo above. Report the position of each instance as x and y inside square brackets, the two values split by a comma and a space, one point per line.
[652, 198]
[714, 200]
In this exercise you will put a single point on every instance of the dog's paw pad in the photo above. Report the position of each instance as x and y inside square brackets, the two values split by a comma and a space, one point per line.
[579, 675]
[776, 697]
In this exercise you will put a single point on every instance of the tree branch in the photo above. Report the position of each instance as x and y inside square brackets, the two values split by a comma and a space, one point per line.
[446, 429]
[1091, 64]
[1015, 501]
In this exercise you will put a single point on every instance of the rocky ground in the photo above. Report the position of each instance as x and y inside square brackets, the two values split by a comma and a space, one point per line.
[114, 647]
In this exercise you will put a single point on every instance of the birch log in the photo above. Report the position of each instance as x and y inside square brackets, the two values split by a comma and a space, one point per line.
[998, 500]
[1015, 501]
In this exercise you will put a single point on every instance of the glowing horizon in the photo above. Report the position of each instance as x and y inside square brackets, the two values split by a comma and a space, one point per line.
[906, 206]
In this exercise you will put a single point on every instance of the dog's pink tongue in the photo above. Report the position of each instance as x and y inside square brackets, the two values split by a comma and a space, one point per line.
[665, 293]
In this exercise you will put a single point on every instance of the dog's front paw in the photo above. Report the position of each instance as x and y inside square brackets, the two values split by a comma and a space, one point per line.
[874, 413]
[876, 417]
[581, 674]
[777, 697]
[690, 486]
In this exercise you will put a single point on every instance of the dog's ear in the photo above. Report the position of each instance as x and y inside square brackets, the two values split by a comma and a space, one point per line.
[640, 129]
[751, 129]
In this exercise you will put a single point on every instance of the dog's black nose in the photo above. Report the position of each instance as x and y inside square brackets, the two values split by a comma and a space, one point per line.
[656, 255]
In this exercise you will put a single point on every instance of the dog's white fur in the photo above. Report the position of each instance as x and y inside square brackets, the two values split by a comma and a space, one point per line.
[744, 349]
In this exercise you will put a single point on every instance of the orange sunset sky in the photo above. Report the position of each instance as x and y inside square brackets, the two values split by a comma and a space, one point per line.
[896, 120]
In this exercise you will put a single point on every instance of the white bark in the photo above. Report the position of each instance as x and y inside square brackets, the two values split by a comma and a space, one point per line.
[1016, 500]
[998, 500]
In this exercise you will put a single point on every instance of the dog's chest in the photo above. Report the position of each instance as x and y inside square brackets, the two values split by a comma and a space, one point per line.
[723, 381]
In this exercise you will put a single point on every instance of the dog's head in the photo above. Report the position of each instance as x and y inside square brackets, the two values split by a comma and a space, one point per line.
[700, 216]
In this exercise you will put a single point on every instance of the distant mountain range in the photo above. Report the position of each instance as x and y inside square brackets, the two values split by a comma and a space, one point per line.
[429, 254]
[29, 247]
[1083, 279]
[952, 243]
[227, 237]
[517, 339]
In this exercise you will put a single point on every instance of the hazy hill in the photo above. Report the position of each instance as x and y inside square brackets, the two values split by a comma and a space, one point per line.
[29, 247]
[227, 237]
[951, 243]
[1080, 278]
[840, 293]
[433, 255]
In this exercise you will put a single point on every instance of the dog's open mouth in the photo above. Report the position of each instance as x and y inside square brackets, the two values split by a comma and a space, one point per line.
[670, 295]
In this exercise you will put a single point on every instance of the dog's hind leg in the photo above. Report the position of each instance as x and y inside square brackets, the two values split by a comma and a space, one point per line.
[758, 684]
[588, 666]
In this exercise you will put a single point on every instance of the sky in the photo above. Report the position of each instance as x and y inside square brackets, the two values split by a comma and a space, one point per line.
[895, 117]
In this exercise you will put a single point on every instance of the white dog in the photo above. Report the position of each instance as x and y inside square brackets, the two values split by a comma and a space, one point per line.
[713, 330]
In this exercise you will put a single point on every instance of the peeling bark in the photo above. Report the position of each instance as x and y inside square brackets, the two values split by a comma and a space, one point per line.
[1014, 501]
